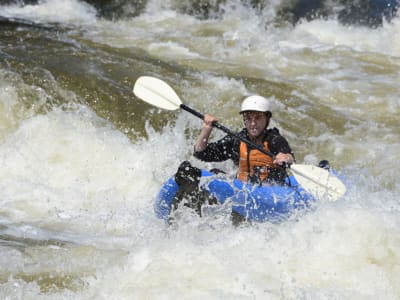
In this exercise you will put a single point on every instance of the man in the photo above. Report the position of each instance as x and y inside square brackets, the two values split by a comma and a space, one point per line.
[254, 166]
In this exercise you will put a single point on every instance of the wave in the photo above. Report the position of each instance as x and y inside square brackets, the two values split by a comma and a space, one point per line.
[370, 13]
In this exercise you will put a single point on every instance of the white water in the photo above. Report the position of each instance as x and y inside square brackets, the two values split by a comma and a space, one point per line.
[52, 11]
[70, 177]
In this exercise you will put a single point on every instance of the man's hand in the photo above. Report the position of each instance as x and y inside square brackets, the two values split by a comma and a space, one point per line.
[283, 158]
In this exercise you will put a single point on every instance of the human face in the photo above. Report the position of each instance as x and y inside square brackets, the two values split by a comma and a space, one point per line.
[255, 122]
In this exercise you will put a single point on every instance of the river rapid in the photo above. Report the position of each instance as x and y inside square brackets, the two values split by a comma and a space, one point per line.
[82, 159]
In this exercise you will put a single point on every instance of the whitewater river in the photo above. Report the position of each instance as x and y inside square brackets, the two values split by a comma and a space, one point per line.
[81, 158]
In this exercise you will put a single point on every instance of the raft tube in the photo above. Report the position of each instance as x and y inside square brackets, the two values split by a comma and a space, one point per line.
[253, 202]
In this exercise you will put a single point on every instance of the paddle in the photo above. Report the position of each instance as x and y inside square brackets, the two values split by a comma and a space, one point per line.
[317, 181]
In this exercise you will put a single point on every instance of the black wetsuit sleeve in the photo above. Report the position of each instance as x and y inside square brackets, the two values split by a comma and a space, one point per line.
[278, 143]
[221, 150]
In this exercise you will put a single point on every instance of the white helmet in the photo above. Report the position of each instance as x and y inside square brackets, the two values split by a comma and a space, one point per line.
[255, 103]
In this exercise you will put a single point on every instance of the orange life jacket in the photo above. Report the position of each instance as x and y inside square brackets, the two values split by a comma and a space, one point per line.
[249, 159]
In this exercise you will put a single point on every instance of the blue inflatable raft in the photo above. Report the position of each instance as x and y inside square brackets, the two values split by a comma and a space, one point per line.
[253, 202]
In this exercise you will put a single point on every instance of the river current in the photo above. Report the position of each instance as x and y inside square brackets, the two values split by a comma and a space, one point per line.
[82, 159]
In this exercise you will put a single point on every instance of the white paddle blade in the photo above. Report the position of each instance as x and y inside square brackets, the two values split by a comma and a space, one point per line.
[156, 92]
[319, 182]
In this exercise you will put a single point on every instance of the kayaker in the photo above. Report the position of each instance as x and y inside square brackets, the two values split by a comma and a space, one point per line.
[253, 165]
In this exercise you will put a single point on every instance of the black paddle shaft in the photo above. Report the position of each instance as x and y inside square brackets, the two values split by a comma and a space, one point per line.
[228, 131]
